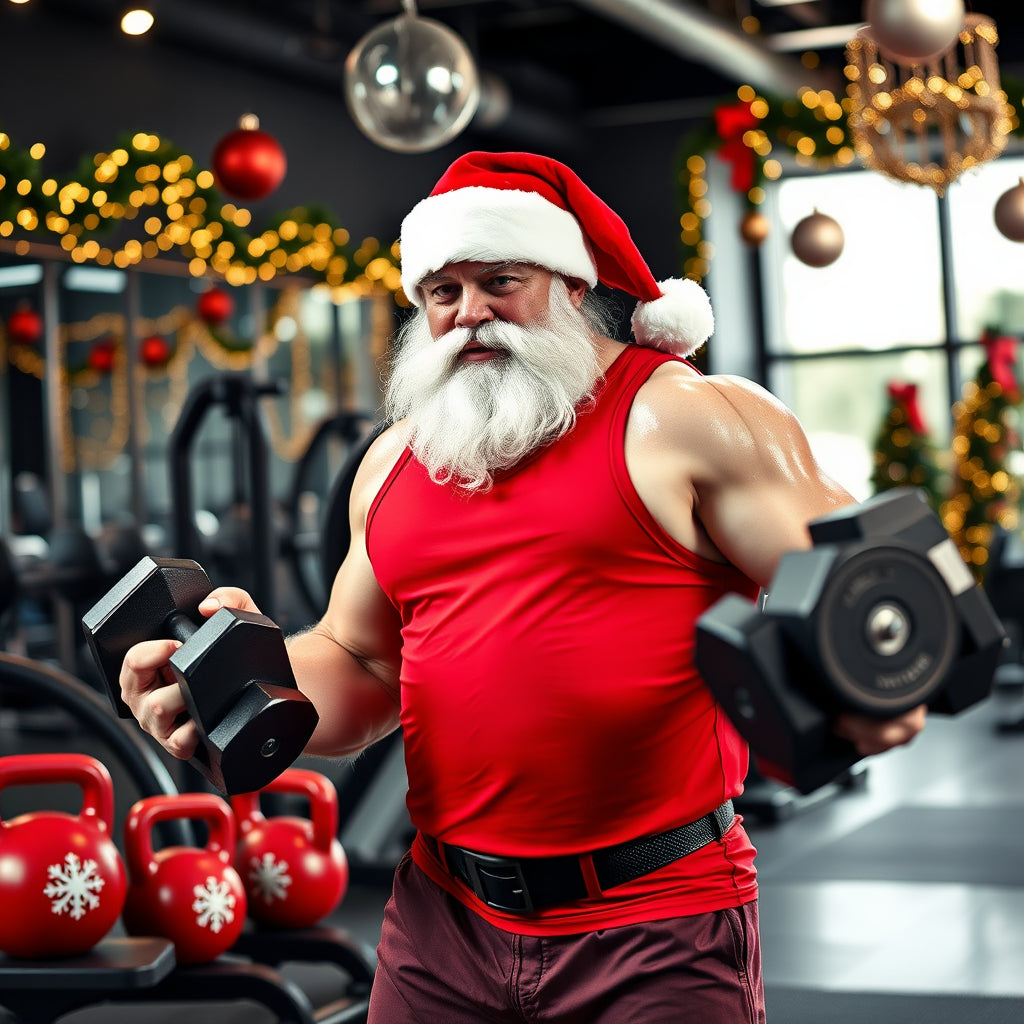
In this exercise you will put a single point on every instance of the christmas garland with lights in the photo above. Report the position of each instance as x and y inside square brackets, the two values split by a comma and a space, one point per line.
[812, 128]
[177, 207]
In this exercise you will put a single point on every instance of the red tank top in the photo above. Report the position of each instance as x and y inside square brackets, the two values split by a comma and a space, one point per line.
[549, 700]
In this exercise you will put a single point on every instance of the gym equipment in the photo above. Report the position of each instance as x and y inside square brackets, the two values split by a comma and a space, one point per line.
[50, 687]
[62, 883]
[189, 895]
[239, 397]
[142, 970]
[67, 563]
[335, 533]
[233, 670]
[294, 870]
[878, 616]
[311, 479]
[1004, 584]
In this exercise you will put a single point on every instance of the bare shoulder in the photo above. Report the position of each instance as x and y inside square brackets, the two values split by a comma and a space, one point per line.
[725, 468]
[377, 463]
[728, 420]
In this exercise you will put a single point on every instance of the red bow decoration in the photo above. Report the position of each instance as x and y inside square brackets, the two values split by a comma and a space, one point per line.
[1001, 351]
[906, 396]
[730, 123]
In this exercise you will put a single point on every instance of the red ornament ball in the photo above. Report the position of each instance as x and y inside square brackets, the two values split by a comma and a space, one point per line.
[215, 307]
[249, 163]
[24, 326]
[154, 351]
[101, 357]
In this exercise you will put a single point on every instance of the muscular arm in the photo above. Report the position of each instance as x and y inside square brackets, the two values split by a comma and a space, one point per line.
[347, 664]
[728, 472]
[726, 469]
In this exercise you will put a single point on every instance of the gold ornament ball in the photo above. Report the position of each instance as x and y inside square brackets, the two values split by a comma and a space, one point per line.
[754, 228]
[1009, 213]
[913, 31]
[817, 240]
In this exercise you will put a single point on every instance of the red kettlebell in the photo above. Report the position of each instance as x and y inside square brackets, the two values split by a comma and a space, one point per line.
[190, 895]
[295, 871]
[62, 882]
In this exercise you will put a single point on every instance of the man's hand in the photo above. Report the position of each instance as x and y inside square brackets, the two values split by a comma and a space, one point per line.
[872, 736]
[149, 689]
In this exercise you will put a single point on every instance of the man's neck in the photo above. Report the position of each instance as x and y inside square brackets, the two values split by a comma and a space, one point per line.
[607, 351]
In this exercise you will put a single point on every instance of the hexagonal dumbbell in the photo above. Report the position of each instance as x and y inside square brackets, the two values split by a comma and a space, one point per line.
[233, 670]
[880, 615]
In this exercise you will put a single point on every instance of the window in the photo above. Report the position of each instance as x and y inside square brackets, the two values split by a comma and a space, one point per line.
[836, 336]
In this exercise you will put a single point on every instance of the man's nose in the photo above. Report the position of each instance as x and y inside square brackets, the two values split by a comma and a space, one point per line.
[474, 308]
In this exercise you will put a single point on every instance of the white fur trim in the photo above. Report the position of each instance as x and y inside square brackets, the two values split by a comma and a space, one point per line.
[480, 223]
[679, 321]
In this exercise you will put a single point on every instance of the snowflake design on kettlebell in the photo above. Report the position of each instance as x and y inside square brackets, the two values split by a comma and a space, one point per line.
[74, 886]
[269, 877]
[213, 903]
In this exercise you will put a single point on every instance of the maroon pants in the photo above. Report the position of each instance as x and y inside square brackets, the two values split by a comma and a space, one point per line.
[439, 963]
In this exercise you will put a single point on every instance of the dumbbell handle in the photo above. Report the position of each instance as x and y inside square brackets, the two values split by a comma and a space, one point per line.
[179, 626]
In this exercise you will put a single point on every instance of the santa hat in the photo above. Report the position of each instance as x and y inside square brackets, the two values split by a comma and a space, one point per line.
[532, 209]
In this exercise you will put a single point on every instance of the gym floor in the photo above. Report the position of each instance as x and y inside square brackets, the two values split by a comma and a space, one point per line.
[895, 900]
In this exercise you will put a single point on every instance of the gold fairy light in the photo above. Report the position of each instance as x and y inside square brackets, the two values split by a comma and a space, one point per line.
[928, 123]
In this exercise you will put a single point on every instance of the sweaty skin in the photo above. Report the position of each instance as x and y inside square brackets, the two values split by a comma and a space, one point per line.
[722, 466]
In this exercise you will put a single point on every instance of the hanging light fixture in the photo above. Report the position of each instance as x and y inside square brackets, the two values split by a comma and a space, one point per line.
[136, 21]
[411, 84]
[928, 122]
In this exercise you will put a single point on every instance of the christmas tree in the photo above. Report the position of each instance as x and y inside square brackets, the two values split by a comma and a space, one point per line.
[985, 494]
[904, 454]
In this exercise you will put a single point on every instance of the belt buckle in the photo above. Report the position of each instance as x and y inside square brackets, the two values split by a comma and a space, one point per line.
[498, 881]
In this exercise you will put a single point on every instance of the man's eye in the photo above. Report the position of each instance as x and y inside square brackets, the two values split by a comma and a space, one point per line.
[502, 281]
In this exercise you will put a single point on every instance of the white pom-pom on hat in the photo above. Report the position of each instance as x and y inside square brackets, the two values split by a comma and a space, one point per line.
[679, 321]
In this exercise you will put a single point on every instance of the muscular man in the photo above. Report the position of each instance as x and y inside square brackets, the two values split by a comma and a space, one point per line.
[532, 543]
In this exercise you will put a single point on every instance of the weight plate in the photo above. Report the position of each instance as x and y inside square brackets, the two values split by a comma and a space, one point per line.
[887, 630]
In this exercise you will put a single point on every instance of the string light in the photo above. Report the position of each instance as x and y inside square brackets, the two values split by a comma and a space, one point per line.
[177, 206]
[928, 124]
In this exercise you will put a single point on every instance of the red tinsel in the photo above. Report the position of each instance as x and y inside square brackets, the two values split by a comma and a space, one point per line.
[730, 124]
[906, 396]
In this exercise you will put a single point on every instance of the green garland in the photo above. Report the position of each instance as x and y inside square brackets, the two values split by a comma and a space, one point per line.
[176, 206]
[811, 128]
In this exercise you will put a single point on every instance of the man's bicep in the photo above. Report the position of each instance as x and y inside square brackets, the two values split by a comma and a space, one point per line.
[761, 484]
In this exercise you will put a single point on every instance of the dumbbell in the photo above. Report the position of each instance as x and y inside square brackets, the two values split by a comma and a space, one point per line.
[880, 615]
[233, 670]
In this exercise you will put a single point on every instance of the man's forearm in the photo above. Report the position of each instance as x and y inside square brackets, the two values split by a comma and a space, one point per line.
[355, 696]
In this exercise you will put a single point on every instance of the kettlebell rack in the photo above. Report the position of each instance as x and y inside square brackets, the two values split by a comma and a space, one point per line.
[143, 970]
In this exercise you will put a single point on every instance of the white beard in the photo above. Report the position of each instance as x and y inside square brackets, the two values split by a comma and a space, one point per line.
[470, 420]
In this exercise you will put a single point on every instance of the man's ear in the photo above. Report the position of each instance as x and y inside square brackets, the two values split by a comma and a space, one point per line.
[577, 289]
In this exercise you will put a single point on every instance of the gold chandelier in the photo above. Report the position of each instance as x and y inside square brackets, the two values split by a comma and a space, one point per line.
[928, 123]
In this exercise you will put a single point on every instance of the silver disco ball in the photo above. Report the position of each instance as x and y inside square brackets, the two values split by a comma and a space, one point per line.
[411, 84]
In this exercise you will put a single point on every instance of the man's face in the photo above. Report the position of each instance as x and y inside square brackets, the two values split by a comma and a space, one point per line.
[491, 367]
[469, 294]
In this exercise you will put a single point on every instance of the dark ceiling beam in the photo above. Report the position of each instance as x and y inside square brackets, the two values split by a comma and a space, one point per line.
[694, 33]
[316, 59]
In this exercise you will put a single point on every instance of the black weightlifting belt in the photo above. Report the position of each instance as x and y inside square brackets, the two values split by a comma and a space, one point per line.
[523, 885]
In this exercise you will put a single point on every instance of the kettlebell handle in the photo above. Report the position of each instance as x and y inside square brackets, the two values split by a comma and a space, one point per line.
[150, 810]
[85, 771]
[317, 788]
